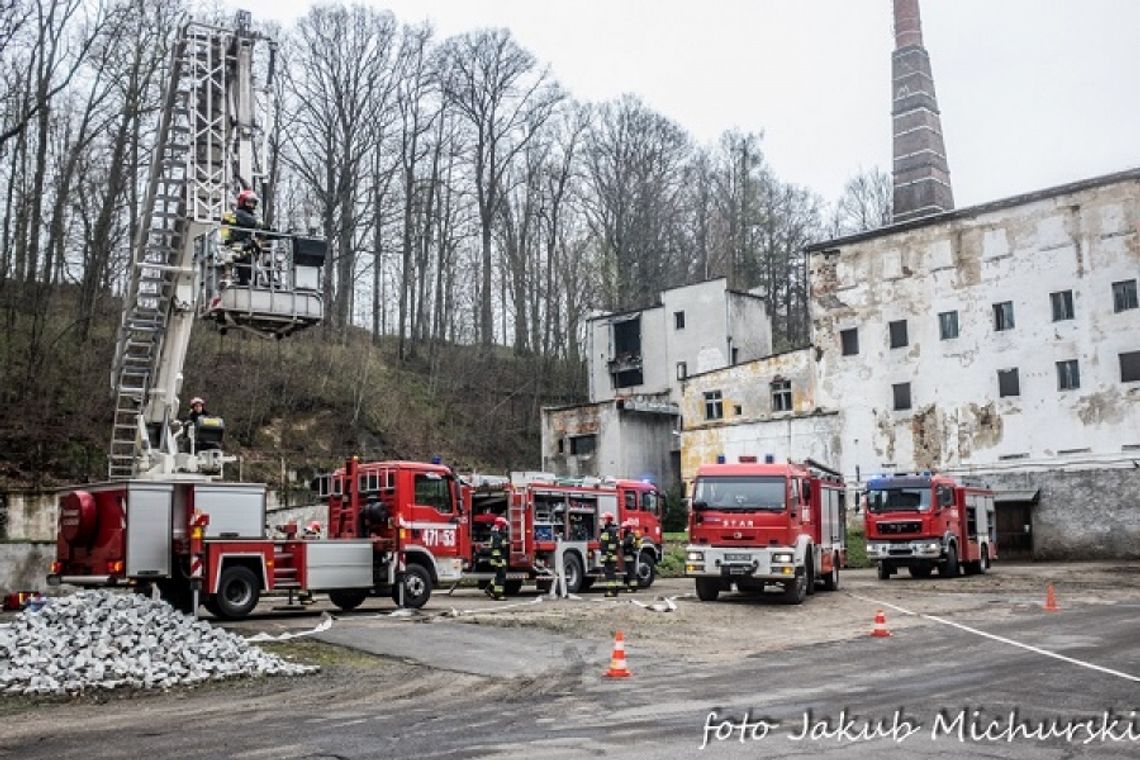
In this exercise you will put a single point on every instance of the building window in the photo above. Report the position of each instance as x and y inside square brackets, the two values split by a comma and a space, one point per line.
[583, 445]
[561, 445]
[679, 320]
[1008, 383]
[849, 339]
[682, 370]
[1062, 305]
[898, 333]
[738, 410]
[1068, 375]
[948, 325]
[901, 393]
[1130, 367]
[1124, 295]
[735, 356]
[781, 395]
[714, 406]
[1003, 316]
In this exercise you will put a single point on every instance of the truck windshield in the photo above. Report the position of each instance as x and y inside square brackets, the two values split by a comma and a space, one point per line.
[898, 499]
[741, 493]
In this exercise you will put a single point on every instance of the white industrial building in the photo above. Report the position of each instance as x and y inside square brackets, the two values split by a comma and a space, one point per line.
[637, 363]
[1000, 341]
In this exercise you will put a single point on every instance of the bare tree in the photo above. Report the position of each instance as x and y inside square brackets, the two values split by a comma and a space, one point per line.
[505, 98]
[866, 203]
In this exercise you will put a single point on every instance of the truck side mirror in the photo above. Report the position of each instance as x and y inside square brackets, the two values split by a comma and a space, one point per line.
[807, 491]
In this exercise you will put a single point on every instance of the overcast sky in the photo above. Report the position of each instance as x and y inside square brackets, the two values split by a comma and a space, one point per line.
[1033, 93]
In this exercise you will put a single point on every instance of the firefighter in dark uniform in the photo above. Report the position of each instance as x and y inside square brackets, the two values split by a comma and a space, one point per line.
[238, 233]
[498, 586]
[630, 546]
[608, 544]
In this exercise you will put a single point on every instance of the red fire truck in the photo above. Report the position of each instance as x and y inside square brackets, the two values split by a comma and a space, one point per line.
[547, 514]
[925, 521]
[754, 525]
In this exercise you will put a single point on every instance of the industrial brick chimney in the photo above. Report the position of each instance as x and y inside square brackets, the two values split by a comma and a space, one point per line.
[921, 174]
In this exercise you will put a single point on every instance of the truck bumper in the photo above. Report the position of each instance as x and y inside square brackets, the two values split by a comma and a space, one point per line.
[904, 551]
[85, 580]
[771, 563]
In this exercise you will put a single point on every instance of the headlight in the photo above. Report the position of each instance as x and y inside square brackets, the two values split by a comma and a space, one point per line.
[783, 558]
[695, 556]
[932, 547]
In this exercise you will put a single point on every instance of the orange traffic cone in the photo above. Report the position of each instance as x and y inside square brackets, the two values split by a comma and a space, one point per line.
[617, 662]
[1051, 599]
[880, 631]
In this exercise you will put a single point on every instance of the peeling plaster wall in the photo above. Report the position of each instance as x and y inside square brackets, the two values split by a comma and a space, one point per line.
[560, 425]
[749, 327]
[804, 431]
[1082, 240]
[629, 444]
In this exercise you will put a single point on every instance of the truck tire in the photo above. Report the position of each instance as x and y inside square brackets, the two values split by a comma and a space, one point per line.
[646, 570]
[831, 580]
[795, 591]
[809, 571]
[238, 592]
[920, 571]
[949, 569]
[512, 588]
[884, 571]
[984, 562]
[708, 589]
[572, 569]
[348, 598]
[416, 582]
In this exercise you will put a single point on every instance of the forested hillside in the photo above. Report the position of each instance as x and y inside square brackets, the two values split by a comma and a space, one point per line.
[476, 215]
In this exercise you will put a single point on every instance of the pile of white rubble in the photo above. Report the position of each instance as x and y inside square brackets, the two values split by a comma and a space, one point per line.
[103, 640]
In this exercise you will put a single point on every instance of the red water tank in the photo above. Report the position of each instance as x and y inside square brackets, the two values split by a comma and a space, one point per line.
[78, 516]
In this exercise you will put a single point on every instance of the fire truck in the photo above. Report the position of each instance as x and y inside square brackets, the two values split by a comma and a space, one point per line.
[557, 520]
[754, 525]
[925, 521]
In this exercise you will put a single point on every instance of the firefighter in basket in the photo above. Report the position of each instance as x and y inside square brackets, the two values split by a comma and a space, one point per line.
[238, 235]
[630, 548]
[498, 586]
[608, 544]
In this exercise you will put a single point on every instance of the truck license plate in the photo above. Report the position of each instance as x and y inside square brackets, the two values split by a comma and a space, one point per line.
[738, 570]
[737, 557]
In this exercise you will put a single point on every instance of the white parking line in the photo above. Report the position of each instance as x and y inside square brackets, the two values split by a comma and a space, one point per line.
[1002, 639]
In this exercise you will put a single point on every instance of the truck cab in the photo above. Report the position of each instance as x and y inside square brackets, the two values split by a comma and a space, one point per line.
[927, 521]
[754, 525]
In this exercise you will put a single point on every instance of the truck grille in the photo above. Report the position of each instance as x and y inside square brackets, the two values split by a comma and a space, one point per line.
[896, 528]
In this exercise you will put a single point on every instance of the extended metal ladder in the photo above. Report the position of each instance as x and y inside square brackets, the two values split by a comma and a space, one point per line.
[189, 176]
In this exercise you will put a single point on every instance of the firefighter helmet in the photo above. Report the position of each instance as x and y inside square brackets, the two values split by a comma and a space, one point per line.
[247, 199]
[500, 522]
[608, 517]
[197, 400]
[628, 523]
[315, 526]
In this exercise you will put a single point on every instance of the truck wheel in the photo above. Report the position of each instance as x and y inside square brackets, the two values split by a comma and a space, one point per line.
[572, 569]
[512, 588]
[884, 571]
[416, 582]
[950, 568]
[795, 591]
[831, 580]
[919, 571]
[984, 562]
[646, 570]
[809, 572]
[348, 598]
[708, 589]
[238, 591]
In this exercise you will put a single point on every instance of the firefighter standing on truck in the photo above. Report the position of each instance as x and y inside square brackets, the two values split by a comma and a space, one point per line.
[238, 228]
[630, 547]
[608, 544]
[498, 586]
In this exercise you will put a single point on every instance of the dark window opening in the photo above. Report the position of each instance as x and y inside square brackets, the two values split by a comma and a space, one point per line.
[901, 393]
[1003, 315]
[1124, 295]
[781, 395]
[561, 445]
[1062, 305]
[628, 379]
[738, 410]
[583, 445]
[625, 366]
[679, 320]
[1130, 367]
[714, 406]
[1068, 375]
[898, 333]
[735, 356]
[948, 325]
[682, 370]
[850, 341]
[1009, 384]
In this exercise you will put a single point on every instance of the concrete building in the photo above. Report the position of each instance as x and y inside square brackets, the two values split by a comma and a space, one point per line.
[1000, 341]
[637, 363]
